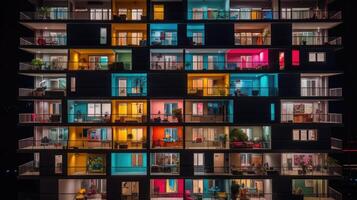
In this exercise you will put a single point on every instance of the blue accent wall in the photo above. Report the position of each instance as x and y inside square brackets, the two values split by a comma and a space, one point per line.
[218, 65]
[130, 84]
[122, 164]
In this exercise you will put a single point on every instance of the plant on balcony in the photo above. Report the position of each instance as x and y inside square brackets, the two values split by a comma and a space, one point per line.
[177, 113]
[237, 134]
[96, 164]
[37, 63]
[44, 12]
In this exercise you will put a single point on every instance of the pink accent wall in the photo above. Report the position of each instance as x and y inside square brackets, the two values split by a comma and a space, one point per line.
[158, 105]
[161, 184]
[258, 55]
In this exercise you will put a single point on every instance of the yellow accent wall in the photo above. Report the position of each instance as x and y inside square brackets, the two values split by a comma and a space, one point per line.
[222, 80]
[77, 55]
[127, 107]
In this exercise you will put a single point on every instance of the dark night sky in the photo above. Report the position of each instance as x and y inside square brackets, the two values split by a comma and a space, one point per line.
[9, 63]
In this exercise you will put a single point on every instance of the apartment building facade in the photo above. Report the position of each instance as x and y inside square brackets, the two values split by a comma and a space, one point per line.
[181, 99]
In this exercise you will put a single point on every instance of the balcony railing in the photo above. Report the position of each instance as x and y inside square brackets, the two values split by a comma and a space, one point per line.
[252, 40]
[129, 15]
[163, 41]
[312, 118]
[321, 92]
[317, 170]
[250, 144]
[28, 92]
[211, 118]
[39, 118]
[166, 65]
[167, 143]
[238, 65]
[316, 40]
[129, 144]
[132, 196]
[44, 66]
[44, 41]
[254, 91]
[209, 91]
[134, 118]
[166, 118]
[29, 169]
[86, 170]
[165, 169]
[206, 144]
[31, 143]
[129, 41]
[336, 144]
[88, 194]
[98, 14]
[134, 91]
[87, 66]
[196, 40]
[127, 171]
[89, 144]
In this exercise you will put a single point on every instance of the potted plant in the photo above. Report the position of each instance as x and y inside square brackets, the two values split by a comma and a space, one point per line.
[44, 12]
[177, 113]
[37, 63]
[237, 137]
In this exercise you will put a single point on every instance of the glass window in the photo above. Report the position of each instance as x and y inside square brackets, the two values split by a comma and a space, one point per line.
[197, 108]
[103, 35]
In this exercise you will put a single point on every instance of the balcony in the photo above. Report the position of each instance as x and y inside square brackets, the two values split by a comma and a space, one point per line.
[39, 118]
[90, 138]
[77, 188]
[335, 118]
[127, 10]
[174, 189]
[128, 164]
[321, 92]
[129, 85]
[129, 137]
[299, 187]
[44, 143]
[166, 137]
[166, 59]
[208, 84]
[99, 59]
[214, 111]
[252, 34]
[60, 40]
[81, 111]
[254, 85]
[250, 137]
[163, 34]
[165, 164]
[166, 111]
[129, 35]
[316, 40]
[196, 34]
[45, 86]
[86, 164]
[29, 169]
[129, 111]
[206, 137]
[336, 144]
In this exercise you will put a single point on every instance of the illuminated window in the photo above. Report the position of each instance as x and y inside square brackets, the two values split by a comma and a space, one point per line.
[317, 57]
[197, 109]
[295, 57]
[171, 186]
[159, 12]
[305, 134]
[281, 60]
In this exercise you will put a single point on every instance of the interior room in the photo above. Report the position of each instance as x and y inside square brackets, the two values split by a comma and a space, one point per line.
[129, 34]
[254, 84]
[129, 164]
[129, 137]
[129, 84]
[87, 10]
[206, 137]
[196, 34]
[252, 189]
[311, 188]
[130, 190]
[254, 163]
[166, 189]
[165, 163]
[252, 34]
[69, 189]
[129, 111]
[46, 59]
[166, 111]
[166, 59]
[312, 9]
[129, 10]
[86, 164]
[163, 34]
[208, 111]
[89, 111]
[250, 137]
[50, 85]
[205, 59]
[45, 111]
[251, 10]
[247, 59]
[46, 137]
[208, 84]
[81, 137]
[207, 9]
[91, 59]
[166, 137]
[211, 163]
[207, 189]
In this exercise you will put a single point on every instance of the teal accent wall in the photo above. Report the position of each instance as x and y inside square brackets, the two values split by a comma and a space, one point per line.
[131, 82]
[122, 164]
[219, 65]
[220, 5]
[76, 107]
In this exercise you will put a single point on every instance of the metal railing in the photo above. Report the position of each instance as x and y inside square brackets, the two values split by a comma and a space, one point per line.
[336, 143]
[254, 91]
[44, 41]
[252, 40]
[31, 143]
[321, 91]
[129, 41]
[316, 170]
[211, 118]
[164, 169]
[167, 144]
[206, 144]
[312, 118]
[163, 41]
[218, 65]
[166, 118]
[209, 91]
[129, 144]
[103, 14]
[44, 65]
[89, 144]
[316, 40]
[134, 91]
[250, 144]
[166, 65]
[129, 15]
[86, 170]
[29, 92]
[196, 40]
[39, 118]
[29, 169]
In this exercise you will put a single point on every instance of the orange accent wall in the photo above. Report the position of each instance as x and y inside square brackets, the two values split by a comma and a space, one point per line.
[157, 132]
